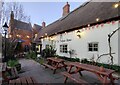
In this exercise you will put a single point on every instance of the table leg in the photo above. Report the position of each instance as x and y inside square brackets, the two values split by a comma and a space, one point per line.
[57, 64]
[79, 70]
[80, 73]
[111, 79]
[65, 79]
[54, 71]
[105, 80]
[69, 69]
[49, 62]
[64, 66]
[99, 77]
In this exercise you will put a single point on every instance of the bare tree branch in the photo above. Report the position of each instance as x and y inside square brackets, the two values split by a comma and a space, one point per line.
[103, 55]
[18, 10]
[110, 48]
[109, 43]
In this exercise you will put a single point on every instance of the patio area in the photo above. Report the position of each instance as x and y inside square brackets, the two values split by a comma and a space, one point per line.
[42, 75]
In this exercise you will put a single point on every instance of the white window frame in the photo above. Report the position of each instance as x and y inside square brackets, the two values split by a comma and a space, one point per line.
[62, 49]
[93, 47]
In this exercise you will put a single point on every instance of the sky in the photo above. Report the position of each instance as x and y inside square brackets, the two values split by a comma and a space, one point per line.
[46, 11]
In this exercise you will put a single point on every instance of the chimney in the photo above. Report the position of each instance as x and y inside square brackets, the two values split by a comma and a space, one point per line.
[43, 24]
[66, 9]
[12, 15]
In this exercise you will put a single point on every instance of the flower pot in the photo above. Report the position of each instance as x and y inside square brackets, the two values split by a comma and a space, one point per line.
[18, 67]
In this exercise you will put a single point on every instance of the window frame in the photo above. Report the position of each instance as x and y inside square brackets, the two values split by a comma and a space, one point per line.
[93, 47]
[64, 48]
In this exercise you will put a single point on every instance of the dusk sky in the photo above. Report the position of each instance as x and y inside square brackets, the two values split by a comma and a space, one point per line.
[46, 11]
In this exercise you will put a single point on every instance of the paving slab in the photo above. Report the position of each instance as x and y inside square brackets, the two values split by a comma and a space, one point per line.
[42, 75]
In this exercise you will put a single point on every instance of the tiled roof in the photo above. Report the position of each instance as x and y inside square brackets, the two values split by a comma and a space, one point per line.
[83, 15]
[22, 25]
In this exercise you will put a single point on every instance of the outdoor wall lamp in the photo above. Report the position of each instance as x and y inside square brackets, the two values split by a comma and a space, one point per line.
[5, 27]
[28, 36]
[78, 34]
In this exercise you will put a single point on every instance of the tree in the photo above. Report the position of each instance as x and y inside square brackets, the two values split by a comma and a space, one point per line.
[18, 10]
[110, 48]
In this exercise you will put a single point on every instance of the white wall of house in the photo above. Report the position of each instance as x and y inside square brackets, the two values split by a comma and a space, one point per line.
[80, 45]
[119, 45]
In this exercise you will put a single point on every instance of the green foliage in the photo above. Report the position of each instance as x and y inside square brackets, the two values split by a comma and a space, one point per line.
[48, 52]
[12, 63]
[12, 48]
[9, 49]
[69, 59]
[84, 60]
[31, 55]
[41, 61]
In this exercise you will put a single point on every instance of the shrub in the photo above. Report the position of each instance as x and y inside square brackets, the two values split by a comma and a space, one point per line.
[84, 60]
[14, 63]
[70, 59]
[48, 52]
[31, 55]
[41, 61]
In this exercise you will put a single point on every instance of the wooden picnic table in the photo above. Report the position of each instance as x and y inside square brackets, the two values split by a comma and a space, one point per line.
[103, 76]
[23, 81]
[55, 63]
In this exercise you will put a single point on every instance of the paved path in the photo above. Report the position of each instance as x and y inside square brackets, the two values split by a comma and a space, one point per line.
[42, 75]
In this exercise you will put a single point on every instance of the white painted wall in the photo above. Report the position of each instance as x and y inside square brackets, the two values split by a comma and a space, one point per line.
[119, 45]
[80, 45]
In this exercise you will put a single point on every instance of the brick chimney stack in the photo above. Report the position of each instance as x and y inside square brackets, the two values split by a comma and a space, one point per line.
[12, 15]
[66, 9]
[11, 24]
[43, 24]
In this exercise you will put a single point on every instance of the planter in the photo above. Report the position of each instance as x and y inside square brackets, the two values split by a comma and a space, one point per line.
[18, 67]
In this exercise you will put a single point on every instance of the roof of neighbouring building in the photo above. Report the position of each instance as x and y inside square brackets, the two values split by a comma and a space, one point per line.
[22, 25]
[36, 28]
[82, 16]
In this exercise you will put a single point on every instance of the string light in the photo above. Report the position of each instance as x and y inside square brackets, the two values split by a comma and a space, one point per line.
[116, 5]
[46, 34]
[97, 19]
[88, 25]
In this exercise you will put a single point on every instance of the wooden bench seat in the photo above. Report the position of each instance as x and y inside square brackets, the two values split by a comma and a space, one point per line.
[49, 66]
[22, 81]
[66, 74]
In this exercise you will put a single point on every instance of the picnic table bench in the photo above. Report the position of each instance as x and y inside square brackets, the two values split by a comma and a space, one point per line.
[66, 74]
[54, 64]
[49, 66]
[23, 81]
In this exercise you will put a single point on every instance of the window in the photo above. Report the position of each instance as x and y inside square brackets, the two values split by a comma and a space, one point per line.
[63, 48]
[93, 47]
[47, 46]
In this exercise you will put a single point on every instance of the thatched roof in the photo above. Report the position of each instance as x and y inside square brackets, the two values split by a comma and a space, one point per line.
[36, 28]
[82, 16]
